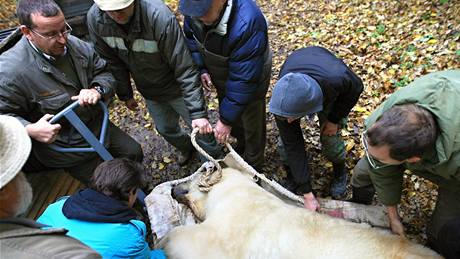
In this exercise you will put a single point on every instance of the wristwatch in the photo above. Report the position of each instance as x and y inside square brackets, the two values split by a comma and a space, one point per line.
[99, 89]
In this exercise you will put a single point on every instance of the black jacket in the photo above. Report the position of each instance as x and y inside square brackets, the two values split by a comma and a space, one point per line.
[341, 89]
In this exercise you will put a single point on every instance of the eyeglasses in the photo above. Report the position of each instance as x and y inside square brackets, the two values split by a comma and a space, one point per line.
[376, 164]
[55, 35]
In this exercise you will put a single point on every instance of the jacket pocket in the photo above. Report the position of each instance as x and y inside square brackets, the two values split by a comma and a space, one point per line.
[53, 104]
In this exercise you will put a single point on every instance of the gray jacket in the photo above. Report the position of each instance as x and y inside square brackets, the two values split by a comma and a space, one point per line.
[24, 238]
[153, 51]
[30, 87]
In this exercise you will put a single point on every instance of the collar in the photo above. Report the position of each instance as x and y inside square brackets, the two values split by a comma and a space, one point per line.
[222, 26]
[134, 24]
[46, 56]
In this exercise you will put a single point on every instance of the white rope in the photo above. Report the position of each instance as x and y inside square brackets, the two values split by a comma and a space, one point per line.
[276, 186]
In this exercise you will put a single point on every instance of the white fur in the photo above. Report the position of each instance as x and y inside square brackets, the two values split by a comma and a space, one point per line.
[242, 220]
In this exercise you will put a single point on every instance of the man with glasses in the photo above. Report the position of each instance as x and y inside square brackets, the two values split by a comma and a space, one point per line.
[43, 73]
[312, 80]
[417, 129]
[142, 40]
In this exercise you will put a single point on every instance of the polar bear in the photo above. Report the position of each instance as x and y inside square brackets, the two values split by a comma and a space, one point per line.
[241, 220]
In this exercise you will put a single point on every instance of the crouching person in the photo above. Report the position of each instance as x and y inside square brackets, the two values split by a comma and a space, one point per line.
[19, 237]
[101, 216]
[416, 129]
[313, 80]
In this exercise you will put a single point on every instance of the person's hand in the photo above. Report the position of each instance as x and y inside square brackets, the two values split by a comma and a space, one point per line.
[395, 222]
[42, 130]
[329, 129]
[131, 104]
[222, 132]
[202, 124]
[87, 97]
[206, 81]
[310, 202]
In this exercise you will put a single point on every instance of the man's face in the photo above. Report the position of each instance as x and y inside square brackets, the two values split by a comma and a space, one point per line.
[122, 16]
[382, 155]
[43, 30]
[213, 13]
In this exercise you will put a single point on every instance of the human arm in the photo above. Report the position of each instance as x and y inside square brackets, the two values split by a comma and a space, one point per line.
[348, 88]
[178, 57]
[245, 68]
[395, 221]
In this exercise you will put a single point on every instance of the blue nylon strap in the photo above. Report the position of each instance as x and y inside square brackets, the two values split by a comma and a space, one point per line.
[96, 145]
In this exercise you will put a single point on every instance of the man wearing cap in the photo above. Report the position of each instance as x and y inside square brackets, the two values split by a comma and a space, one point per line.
[229, 42]
[46, 71]
[24, 238]
[143, 40]
[312, 80]
[416, 129]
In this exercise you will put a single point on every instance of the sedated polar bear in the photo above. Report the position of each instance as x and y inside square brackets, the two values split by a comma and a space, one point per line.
[241, 220]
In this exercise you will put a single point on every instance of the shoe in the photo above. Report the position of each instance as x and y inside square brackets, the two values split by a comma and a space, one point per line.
[184, 158]
[339, 187]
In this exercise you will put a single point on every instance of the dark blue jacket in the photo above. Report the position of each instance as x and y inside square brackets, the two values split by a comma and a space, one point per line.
[340, 85]
[242, 38]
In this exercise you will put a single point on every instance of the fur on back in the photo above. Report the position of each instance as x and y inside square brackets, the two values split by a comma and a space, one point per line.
[242, 220]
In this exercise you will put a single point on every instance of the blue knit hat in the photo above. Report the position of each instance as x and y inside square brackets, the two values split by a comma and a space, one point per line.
[296, 95]
[194, 8]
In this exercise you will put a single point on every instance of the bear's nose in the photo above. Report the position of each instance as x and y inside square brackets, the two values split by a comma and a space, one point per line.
[178, 192]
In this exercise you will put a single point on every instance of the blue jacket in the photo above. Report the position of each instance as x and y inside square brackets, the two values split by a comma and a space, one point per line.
[111, 240]
[241, 37]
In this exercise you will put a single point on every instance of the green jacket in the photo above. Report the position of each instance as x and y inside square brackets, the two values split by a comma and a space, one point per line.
[24, 238]
[30, 87]
[153, 52]
[439, 93]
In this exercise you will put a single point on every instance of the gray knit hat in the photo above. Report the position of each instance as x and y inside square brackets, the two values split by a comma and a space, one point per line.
[296, 95]
[15, 147]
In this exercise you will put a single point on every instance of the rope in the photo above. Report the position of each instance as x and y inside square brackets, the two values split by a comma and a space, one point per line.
[276, 186]
[210, 177]
[207, 181]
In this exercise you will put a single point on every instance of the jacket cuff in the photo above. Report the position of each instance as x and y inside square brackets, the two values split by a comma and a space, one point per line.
[224, 121]
[304, 188]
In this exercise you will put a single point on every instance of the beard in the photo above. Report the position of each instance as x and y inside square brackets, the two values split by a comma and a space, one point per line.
[25, 194]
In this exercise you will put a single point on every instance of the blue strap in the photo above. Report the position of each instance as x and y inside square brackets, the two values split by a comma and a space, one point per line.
[96, 145]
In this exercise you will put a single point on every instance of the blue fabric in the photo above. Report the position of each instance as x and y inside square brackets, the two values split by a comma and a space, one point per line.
[244, 43]
[93, 206]
[194, 8]
[111, 240]
[296, 95]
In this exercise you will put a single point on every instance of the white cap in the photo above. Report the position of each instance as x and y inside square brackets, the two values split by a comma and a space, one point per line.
[15, 146]
[113, 5]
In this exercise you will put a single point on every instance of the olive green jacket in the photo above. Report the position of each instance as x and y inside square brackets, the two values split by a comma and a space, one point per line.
[30, 87]
[439, 93]
[152, 51]
[24, 238]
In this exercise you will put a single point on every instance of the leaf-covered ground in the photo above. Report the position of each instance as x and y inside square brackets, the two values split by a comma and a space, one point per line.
[387, 43]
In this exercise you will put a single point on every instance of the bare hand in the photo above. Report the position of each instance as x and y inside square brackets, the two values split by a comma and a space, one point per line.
[87, 97]
[329, 129]
[222, 132]
[310, 202]
[42, 130]
[206, 81]
[397, 227]
[395, 222]
[202, 124]
[131, 104]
